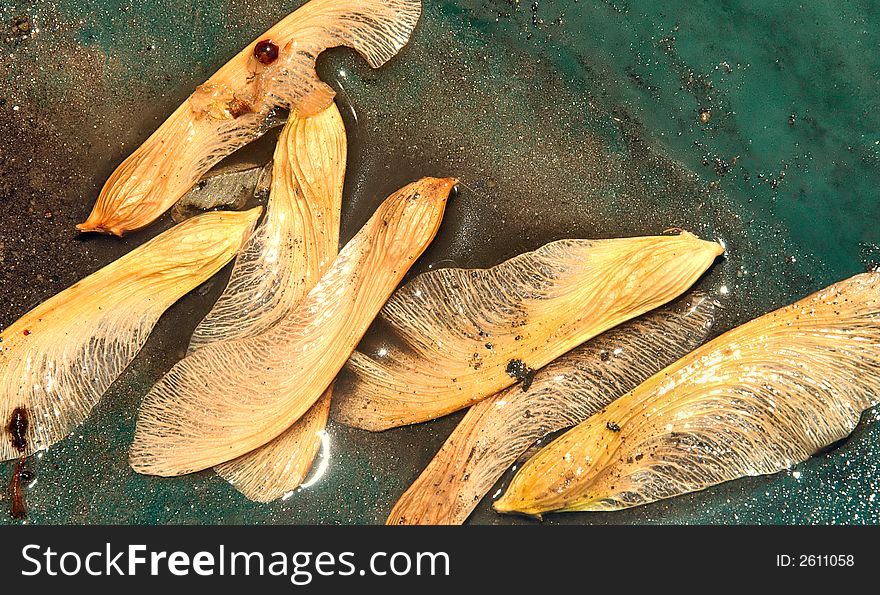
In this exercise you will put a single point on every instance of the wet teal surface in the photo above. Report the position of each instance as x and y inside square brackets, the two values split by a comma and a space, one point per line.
[754, 124]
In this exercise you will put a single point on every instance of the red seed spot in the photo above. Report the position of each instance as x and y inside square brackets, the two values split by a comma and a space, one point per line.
[26, 332]
[266, 52]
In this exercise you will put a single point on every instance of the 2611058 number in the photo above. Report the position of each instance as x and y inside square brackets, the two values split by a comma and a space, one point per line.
[826, 560]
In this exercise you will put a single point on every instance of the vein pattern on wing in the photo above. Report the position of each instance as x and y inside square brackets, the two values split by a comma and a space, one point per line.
[229, 398]
[298, 238]
[58, 359]
[231, 109]
[461, 329]
[754, 401]
[497, 432]
[285, 257]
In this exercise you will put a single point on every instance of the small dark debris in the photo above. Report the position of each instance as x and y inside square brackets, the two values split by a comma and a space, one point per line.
[20, 30]
[26, 474]
[604, 356]
[237, 108]
[612, 426]
[16, 491]
[527, 381]
[518, 369]
[17, 428]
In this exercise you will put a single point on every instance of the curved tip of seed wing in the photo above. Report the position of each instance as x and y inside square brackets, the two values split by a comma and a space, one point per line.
[531, 492]
[523, 503]
[711, 247]
[251, 215]
[437, 187]
[503, 505]
[94, 225]
[446, 185]
[110, 216]
[108, 223]
[507, 505]
[714, 248]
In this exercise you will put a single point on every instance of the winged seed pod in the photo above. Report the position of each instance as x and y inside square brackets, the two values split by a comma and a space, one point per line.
[754, 401]
[58, 359]
[471, 333]
[231, 108]
[283, 260]
[496, 432]
[298, 238]
[228, 398]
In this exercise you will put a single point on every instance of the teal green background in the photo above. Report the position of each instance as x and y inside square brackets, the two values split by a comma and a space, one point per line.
[563, 119]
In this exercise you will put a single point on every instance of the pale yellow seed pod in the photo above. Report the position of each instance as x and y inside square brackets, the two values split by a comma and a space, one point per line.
[754, 401]
[286, 256]
[228, 398]
[471, 333]
[58, 359]
[231, 108]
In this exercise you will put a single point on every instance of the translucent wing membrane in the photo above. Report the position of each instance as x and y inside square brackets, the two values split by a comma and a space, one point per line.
[232, 108]
[285, 257]
[298, 238]
[471, 333]
[756, 400]
[497, 431]
[281, 465]
[228, 398]
[59, 358]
